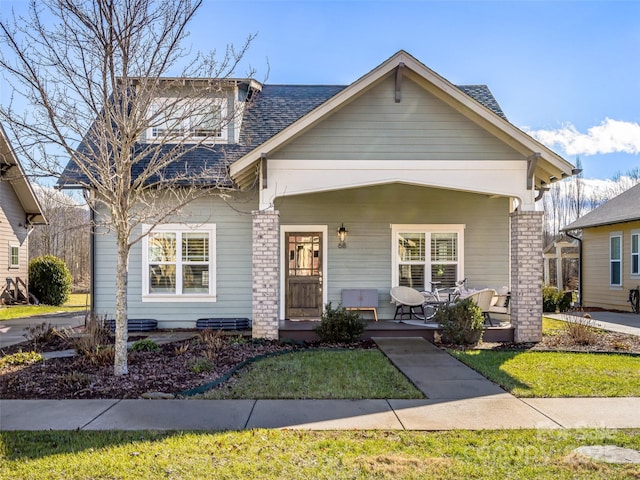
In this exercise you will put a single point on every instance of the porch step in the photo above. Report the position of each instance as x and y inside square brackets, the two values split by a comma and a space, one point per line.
[135, 324]
[223, 323]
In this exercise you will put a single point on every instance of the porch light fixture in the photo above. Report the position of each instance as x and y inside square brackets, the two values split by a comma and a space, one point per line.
[342, 237]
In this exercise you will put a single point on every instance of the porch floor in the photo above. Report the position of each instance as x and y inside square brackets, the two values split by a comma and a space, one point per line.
[304, 330]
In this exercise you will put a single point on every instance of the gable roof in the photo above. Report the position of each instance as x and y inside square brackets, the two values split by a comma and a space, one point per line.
[12, 170]
[475, 102]
[623, 208]
[275, 108]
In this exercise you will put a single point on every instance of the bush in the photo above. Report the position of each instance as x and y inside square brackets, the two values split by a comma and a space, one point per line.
[462, 322]
[145, 345]
[554, 300]
[340, 325]
[49, 280]
[20, 358]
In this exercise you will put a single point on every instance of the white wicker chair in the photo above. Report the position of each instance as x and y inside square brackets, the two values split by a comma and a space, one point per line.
[484, 298]
[409, 297]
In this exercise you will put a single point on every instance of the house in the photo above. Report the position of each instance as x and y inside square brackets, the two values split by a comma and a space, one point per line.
[19, 212]
[422, 180]
[610, 251]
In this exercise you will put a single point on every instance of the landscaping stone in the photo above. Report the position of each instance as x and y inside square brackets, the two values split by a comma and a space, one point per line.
[609, 453]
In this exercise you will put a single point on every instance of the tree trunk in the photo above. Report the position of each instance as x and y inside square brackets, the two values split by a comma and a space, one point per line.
[120, 366]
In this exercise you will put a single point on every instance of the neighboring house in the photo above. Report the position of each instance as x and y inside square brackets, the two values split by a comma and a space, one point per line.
[610, 252]
[19, 212]
[429, 180]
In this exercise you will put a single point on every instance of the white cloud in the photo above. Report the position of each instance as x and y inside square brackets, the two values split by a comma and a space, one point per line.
[611, 136]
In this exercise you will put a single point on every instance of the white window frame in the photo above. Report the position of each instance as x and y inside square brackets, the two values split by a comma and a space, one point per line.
[427, 229]
[612, 260]
[635, 255]
[187, 126]
[11, 264]
[179, 229]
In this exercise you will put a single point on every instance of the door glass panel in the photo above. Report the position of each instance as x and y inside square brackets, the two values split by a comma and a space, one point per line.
[304, 255]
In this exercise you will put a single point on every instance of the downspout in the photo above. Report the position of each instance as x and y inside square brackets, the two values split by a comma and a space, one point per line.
[579, 266]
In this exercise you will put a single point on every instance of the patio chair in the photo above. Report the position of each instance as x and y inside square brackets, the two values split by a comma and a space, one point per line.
[500, 303]
[407, 297]
[483, 298]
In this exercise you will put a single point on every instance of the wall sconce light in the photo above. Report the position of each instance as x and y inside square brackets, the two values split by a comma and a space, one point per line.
[342, 237]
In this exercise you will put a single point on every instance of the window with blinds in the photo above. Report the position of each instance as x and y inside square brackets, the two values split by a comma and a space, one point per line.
[425, 256]
[179, 261]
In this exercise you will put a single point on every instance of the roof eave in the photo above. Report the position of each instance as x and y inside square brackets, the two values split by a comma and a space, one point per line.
[551, 166]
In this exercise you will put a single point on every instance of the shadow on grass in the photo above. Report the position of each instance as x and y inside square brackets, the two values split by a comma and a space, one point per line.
[32, 445]
[489, 364]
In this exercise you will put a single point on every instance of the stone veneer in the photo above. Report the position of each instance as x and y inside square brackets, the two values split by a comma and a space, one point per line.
[266, 255]
[526, 275]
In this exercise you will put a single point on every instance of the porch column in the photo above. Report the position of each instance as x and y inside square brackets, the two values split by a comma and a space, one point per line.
[526, 275]
[265, 264]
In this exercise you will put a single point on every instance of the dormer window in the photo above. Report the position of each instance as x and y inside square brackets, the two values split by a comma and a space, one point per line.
[174, 119]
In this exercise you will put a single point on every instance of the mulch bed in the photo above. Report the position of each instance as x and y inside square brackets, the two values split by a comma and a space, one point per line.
[168, 370]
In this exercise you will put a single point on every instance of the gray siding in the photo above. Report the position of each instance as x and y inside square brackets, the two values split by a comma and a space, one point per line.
[375, 127]
[233, 268]
[367, 214]
[12, 216]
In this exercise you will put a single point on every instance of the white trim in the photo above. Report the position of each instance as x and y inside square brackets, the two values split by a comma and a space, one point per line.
[428, 229]
[613, 235]
[636, 233]
[324, 229]
[13, 266]
[298, 177]
[209, 228]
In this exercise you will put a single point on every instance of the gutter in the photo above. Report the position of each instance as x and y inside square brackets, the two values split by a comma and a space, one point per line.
[579, 265]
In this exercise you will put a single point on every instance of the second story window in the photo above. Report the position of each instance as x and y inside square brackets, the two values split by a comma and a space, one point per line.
[182, 120]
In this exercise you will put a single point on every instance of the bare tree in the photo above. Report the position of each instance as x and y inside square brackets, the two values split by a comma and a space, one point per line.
[94, 73]
[66, 235]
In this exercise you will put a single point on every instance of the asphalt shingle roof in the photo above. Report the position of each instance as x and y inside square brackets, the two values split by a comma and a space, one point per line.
[275, 108]
[623, 208]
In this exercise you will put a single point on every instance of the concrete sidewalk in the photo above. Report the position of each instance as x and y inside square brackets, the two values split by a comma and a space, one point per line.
[458, 398]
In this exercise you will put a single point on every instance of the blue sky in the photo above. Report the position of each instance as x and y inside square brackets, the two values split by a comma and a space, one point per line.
[567, 72]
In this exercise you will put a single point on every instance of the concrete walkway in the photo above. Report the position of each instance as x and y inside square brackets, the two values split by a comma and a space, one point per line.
[628, 323]
[458, 398]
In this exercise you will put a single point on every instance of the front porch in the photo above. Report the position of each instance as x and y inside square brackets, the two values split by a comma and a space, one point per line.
[304, 330]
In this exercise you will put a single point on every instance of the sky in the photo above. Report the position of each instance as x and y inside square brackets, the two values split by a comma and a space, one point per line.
[568, 73]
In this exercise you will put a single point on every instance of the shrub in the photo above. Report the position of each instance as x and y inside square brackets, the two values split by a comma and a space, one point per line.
[340, 325]
[20, 358]
[555, 301]
[144, 345]
[581, 331]
[96, 335]
[201, 365]
[49, 280]
[42, 333]
[462, 322]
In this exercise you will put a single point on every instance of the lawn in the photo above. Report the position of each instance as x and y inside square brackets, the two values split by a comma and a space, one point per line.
[557, 374]
[344, 374]
[76, 302]
[273, 454]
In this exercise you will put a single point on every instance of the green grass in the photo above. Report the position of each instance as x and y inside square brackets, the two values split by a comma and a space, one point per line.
[273, 454]
[347, 374]
[76, 302]
[557, 374]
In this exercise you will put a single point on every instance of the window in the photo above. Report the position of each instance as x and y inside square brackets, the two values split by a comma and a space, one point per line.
[635, 253]
[178, 262]
[615, 260]
[195, 119]
[14, 256]
[423, 254]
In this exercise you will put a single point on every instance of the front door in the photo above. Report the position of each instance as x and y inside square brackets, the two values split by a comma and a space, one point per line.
[303, 275]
